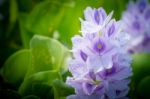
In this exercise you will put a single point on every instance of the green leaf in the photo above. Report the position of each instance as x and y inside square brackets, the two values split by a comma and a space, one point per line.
[141, 66]
[143, 88]
[61, 89]
[13, 15]
[46, 78]
[141, 69]
[31, 97]
[47, 54]
[16, 66]
[44, 18]
[13, 11]
[26, 35]
[42, 90]
[48, 57]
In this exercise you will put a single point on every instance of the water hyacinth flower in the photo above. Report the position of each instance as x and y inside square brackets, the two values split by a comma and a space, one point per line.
[100, 66]
[136, 21]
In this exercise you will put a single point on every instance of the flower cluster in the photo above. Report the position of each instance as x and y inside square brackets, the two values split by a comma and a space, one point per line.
[101, 65]
[137, 23]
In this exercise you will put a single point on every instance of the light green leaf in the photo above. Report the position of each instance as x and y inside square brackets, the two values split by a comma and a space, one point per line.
[45, 77]
[47, 53]
[16, 66]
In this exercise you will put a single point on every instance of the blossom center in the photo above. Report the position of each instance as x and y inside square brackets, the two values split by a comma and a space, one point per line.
[96, 82]
[99, 46]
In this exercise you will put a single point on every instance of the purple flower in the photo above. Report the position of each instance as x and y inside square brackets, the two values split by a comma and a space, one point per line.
[137, 24]
[100, 66]
[95, 20]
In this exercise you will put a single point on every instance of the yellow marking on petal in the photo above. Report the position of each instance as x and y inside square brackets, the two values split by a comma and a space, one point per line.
[100, 33]
[99, 46]
[96, 82]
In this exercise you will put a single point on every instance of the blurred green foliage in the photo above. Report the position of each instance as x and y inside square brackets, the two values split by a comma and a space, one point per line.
[35, 38]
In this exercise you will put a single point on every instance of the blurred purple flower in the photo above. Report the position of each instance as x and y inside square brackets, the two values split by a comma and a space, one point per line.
[101, 65]
[137, 24]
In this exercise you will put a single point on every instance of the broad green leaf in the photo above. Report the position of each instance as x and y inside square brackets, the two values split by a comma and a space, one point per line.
[143, 88]
[61, 89]
[47, 54]
[46, 78]
[42, 90]
[16, 66]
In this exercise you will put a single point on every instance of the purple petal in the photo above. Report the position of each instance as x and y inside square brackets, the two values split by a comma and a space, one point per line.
[122, 73]
[77, 40]
[83, 55]
[121, 94]
[97, 17]
[111, 93]
[88, 88]
[94, 63]
[77, 68]
[107, 61]
[99, 46]
[95, 96]
[88, 14]
[100, 89]
[111, 28]
[142, 5]
[91, 75]
[103, 13]
[120, 84]
[136, 25]
[147, 14]
[77, 84]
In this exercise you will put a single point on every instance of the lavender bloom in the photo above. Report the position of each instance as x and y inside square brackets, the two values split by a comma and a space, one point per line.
[95, 20]
[101, 65]
[137, 23]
